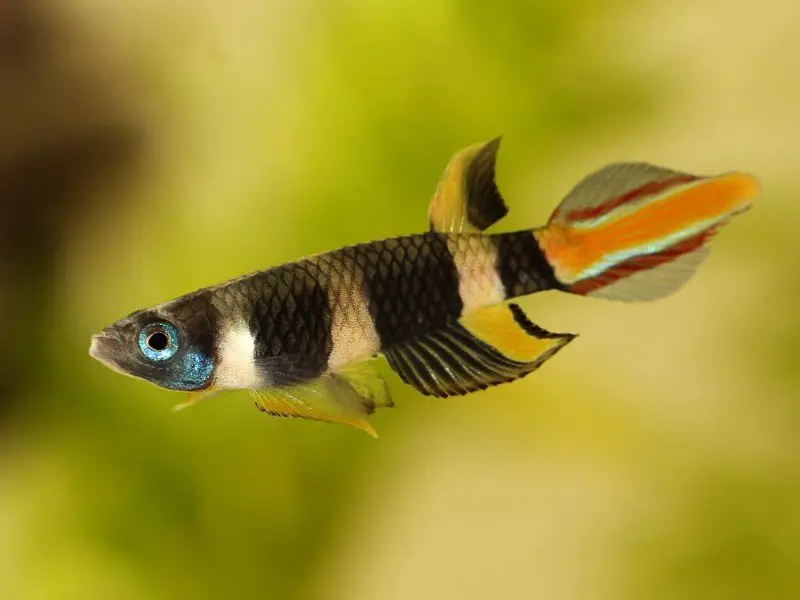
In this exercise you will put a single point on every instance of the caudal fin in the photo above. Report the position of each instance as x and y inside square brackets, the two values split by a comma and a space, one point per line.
[635, 231]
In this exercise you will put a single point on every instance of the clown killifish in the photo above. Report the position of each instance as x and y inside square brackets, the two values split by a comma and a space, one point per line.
[436, 305]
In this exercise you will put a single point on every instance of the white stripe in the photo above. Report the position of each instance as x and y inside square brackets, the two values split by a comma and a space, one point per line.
[236, 368]
[352, 328]
[479, 283]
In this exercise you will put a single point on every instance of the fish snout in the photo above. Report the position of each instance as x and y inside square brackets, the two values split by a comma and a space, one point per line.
[103, 342]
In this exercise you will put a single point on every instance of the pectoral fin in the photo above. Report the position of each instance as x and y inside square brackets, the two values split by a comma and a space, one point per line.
[487, 347]
[193, 398]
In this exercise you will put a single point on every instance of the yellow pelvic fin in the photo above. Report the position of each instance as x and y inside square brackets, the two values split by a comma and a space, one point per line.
[489, 346]
[193, 398]
[345, 397]
[467, 199]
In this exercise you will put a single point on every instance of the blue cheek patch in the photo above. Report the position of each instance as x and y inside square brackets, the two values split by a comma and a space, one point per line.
[184, 368]
[191, 372]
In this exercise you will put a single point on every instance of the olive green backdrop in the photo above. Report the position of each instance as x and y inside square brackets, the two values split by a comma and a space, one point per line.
[153, 148]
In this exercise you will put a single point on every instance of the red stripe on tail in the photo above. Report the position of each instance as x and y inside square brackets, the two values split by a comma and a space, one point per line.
[641, 263]
[649, 189]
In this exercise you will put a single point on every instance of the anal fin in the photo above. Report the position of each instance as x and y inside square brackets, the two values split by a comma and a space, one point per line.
[488, 347]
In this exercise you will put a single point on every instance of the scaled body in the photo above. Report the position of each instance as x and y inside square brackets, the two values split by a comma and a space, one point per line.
[435, 303]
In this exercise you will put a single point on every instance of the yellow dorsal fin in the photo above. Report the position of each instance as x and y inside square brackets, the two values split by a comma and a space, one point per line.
[467, 199]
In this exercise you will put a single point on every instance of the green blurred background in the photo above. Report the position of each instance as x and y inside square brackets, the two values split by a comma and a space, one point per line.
[151, 148]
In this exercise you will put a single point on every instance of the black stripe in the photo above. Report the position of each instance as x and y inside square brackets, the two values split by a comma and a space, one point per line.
[411, 285]
[199, 319]
[522, 265]
[290, 320]
[530, 327]
[485, 205]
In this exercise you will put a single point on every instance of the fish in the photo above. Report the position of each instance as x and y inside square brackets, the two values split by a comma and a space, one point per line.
[439, 306]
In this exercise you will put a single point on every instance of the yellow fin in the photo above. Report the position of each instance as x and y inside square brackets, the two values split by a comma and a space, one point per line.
[365, 380]
[487, 347]
[508, 330]
[467, 199]
[345, 397]
[193, 398]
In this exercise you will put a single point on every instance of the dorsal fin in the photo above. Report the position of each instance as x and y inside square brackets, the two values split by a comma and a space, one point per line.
[467, 199]
[487, 347]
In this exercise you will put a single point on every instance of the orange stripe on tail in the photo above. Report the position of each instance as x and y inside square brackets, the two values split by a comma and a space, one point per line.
[648, 239]
[640, 263]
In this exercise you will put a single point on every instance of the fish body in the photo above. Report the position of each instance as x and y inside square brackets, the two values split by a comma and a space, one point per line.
[435, 304]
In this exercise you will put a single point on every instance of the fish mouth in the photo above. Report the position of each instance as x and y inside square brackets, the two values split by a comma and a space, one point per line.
[108, 348]
[103, 346]
[98, 342]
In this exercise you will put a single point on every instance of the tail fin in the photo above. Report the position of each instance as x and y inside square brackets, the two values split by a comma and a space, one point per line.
[634, 231]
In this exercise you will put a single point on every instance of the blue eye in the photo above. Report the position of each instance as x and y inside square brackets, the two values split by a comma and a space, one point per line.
[158, 341]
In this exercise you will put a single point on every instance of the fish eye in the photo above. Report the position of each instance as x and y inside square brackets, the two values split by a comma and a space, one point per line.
[158, 341]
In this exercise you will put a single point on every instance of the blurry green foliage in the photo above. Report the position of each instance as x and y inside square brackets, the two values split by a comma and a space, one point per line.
[340, 137]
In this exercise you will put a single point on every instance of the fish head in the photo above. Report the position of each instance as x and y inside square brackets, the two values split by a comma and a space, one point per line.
[171, 345]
